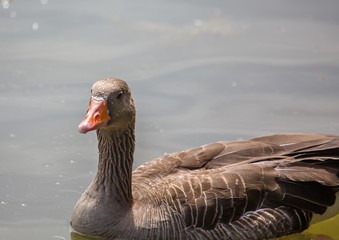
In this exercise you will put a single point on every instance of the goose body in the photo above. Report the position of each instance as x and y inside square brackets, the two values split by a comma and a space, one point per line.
[262, 188]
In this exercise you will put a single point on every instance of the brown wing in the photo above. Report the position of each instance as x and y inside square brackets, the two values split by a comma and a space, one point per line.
[222, 154]
[220, 182]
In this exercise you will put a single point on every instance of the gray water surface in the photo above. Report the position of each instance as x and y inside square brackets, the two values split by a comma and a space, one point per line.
[201, 71]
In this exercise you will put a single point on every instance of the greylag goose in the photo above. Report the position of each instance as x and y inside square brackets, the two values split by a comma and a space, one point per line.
[262, 188]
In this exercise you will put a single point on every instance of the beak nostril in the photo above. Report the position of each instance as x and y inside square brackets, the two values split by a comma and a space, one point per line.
[97, 117]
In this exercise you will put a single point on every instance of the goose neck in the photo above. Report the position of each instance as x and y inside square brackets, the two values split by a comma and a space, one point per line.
[116, 150]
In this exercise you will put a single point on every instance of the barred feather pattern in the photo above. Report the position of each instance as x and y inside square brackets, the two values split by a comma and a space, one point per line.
[268, 223]
[274, 189]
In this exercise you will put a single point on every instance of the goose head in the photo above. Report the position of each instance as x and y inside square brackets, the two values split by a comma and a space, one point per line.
[111, 106]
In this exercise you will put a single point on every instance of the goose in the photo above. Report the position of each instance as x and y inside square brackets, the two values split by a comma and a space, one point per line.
[261, 188]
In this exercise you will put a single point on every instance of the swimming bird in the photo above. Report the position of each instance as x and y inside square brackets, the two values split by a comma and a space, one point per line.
[261, 188]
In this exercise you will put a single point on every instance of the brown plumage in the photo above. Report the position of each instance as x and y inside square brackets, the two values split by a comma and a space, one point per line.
[261, 188]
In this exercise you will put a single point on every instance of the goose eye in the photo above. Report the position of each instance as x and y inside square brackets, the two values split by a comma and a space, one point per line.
[119, 95]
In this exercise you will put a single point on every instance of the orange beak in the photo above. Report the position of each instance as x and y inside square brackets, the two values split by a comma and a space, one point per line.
[96, 117]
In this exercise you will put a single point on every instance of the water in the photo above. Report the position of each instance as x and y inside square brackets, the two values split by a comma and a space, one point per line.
[201, 71]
